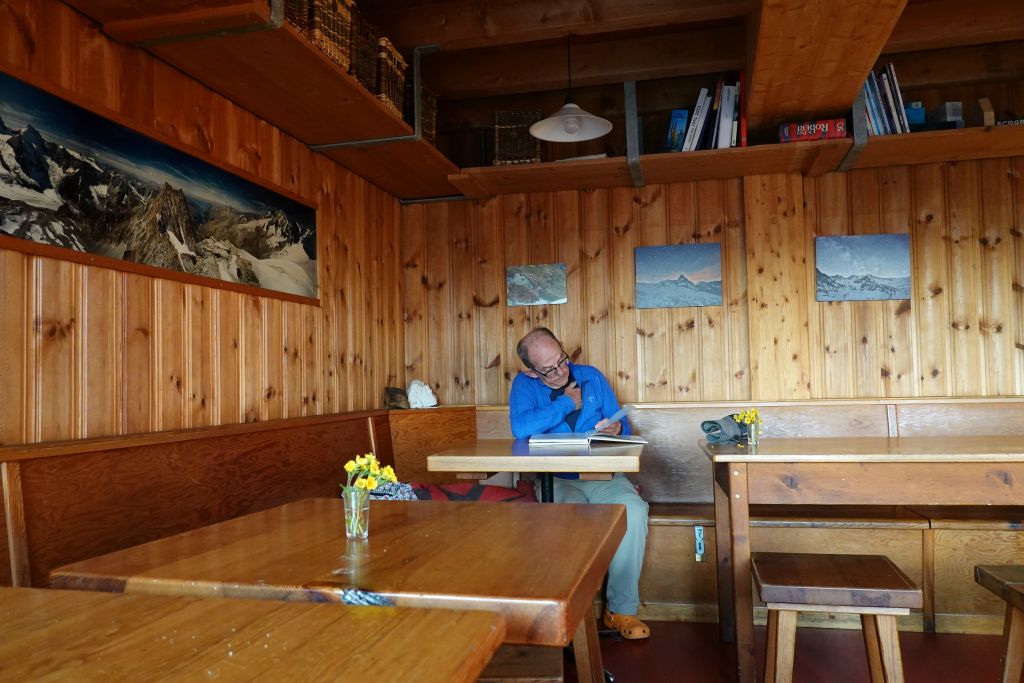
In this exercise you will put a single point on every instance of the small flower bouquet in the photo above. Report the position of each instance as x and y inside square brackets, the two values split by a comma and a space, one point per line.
[752, 419]
[364, 475]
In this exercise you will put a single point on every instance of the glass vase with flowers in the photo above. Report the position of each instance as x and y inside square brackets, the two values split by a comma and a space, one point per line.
[364, 475]
[752, 419]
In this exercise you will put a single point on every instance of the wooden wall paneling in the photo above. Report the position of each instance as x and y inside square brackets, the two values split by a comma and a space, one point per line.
[138, 343]
[1017, 294]
[273, 390]
[85, 504]
[489, 338]
[966, 308]
[253, 359]
[439, 313]
[202, 358]
[5, 553]
[171, 352]
[714, 365]
[377, 338]
[931, 279]
[597, 294]
[292, 349]
[513, 230]
[950, 419]
[870, 364]
[734, 282]
[900, 374]
[100, 343]
[685, 340]
[14, 376]
[956, 554]
[312, 354]
[354, 240]
[396, 329]
[462, 351]
[540, 246]
[777, 307]
[229, 357]
[55, 316]
[831, 322]
[653, 325]
[414, 290]
[996, 325]
[622, 239]
[564, 210]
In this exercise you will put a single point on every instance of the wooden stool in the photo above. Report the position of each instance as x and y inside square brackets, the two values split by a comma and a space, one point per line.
[1007, 581]
[869, 585]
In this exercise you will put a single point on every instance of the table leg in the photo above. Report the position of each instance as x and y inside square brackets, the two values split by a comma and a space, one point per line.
[547, 487]
[739, 539]
[587, 648]
[723, 552]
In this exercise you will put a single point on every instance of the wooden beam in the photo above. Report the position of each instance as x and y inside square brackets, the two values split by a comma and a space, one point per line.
[485, 73]
[954, 23]
[129, 21]
[469, 24]
[811, 58]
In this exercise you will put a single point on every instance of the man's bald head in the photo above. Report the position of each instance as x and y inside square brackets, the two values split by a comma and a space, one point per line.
[527, 342]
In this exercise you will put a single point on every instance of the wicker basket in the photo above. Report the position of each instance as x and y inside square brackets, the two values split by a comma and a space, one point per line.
[513, 143]
[330, 23]
[390, 76]
[365, 43]
[297, 13]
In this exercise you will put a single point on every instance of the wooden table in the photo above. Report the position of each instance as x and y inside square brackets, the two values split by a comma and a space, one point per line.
[78, 636]
[477, 459]
[978, 470]
[472, 555]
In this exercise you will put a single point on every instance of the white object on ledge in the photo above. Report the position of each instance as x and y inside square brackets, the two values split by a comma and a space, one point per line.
[420, 395]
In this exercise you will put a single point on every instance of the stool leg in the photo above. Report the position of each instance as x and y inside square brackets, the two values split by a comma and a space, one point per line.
[870, 629]
[778, 666]
[889, 640]
[769, 649]
[1013, 634]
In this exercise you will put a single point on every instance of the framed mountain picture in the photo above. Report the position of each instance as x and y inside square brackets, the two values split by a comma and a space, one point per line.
[862, 267]
[72, 179]
[679, 275]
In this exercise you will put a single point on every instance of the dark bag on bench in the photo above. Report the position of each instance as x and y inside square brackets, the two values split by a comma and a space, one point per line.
[725, 430]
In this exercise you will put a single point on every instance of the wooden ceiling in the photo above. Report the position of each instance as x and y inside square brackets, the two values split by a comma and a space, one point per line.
[802, 57]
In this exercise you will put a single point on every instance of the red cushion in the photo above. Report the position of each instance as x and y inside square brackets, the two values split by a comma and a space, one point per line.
[474, 491]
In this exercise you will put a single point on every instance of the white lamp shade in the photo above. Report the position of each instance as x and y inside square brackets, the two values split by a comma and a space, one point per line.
[570, 124]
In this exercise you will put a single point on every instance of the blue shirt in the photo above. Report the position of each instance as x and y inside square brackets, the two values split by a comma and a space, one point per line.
[532, 410]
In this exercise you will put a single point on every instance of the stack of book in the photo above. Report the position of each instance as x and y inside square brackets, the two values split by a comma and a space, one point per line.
[718, 121]
[884, 103]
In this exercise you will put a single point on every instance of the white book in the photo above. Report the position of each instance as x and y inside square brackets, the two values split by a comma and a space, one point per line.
[582, 438]
[699, 110]
[725, 111]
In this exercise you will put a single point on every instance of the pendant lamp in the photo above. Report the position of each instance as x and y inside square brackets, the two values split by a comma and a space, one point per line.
[570, 123]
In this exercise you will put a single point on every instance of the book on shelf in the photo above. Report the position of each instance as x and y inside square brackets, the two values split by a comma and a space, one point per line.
[742, 95]
[677, 130]
[883, 103]
[699, 114]
[824, 129]
[710, 136]
[724, 139]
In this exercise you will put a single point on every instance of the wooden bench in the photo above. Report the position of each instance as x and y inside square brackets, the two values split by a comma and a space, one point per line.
[868, 585]
[1007, 581]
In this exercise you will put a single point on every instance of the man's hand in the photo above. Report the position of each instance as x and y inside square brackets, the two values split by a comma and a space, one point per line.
[614, 428]
[575, 393]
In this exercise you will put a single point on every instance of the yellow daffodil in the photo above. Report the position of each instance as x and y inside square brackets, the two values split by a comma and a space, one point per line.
[374, 468]
[360, 483]
[350, 466]
[371, 483]
[389, 474]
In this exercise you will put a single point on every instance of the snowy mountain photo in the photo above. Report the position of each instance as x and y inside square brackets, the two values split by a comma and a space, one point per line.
[536, 285]
[679, 275]
[71, 179]
[863, 267]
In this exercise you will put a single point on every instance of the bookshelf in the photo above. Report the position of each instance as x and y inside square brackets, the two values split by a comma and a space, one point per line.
[941, 145]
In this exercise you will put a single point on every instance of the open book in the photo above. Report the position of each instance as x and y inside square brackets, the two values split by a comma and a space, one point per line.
[584, 438]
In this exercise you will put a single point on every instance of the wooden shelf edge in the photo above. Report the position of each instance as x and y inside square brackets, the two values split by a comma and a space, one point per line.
[962, 144]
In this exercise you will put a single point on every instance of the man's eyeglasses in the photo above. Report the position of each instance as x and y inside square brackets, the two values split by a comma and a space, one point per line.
[550, 371]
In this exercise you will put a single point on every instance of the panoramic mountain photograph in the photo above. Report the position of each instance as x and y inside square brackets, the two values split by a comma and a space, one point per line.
[536, 285]
[679, 275]
[72, 179]
[862, 267]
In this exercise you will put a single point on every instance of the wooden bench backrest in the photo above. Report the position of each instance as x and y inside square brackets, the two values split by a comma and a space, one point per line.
[93, 497]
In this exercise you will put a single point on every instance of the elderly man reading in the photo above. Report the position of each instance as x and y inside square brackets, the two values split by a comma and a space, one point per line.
[554, 395]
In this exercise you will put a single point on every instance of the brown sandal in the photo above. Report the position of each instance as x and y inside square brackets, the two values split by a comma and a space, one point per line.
[628, 626]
